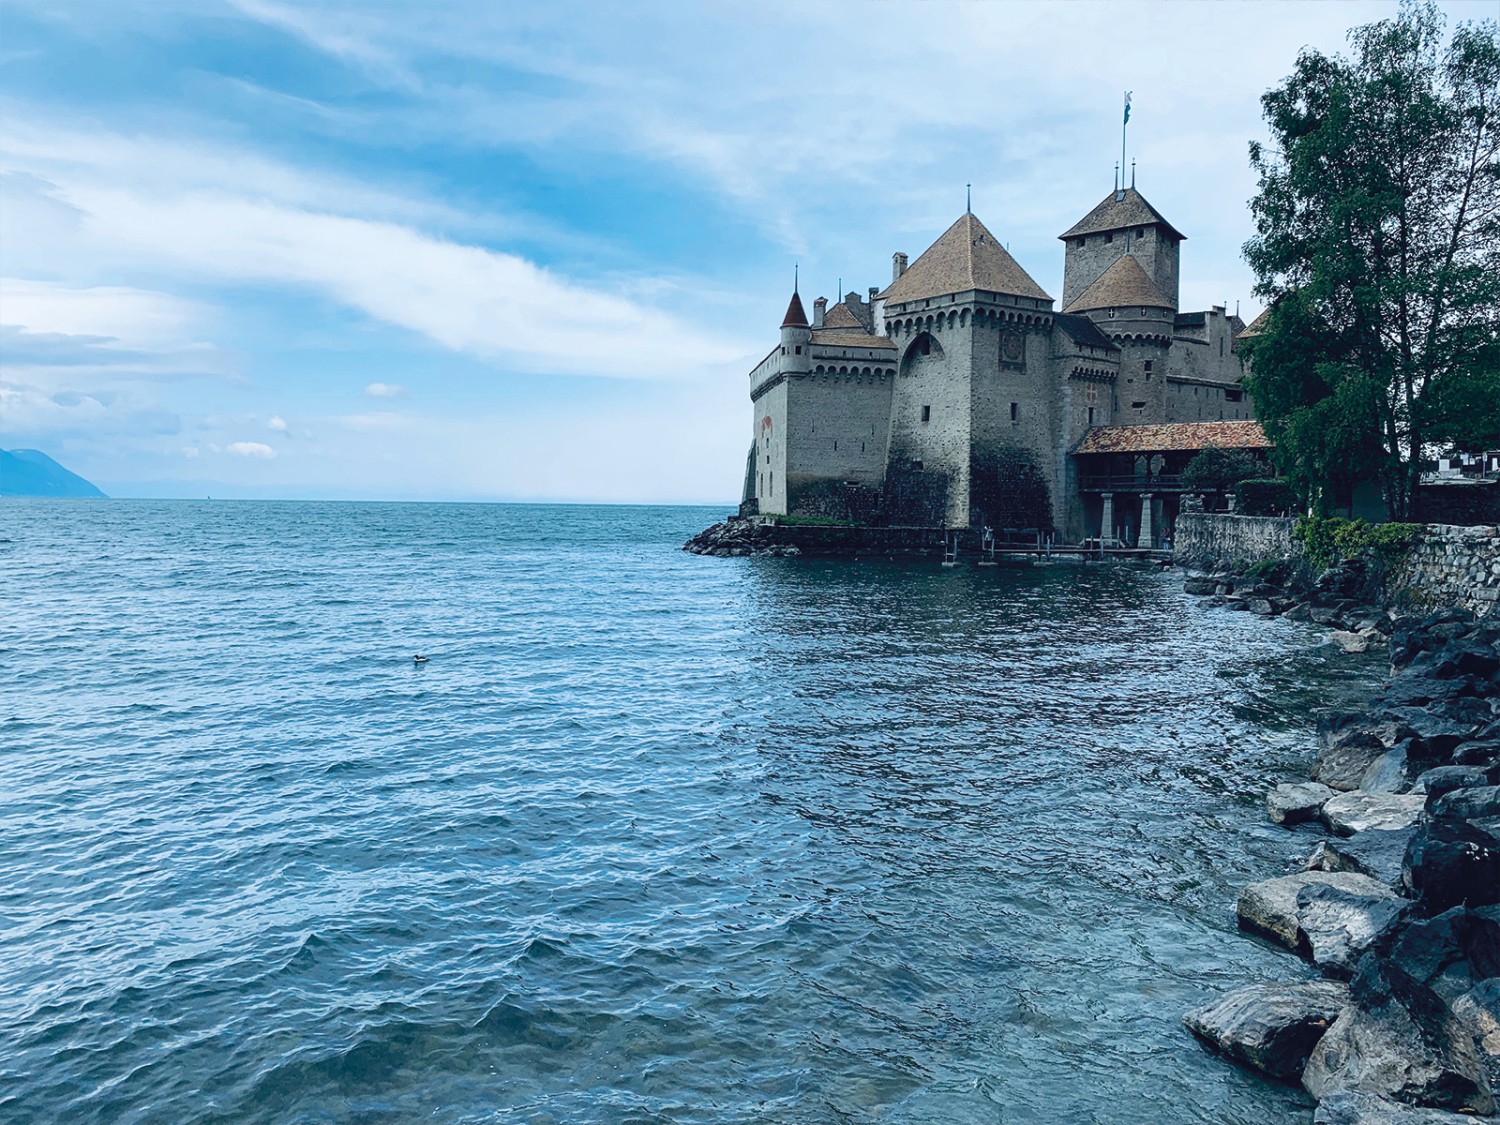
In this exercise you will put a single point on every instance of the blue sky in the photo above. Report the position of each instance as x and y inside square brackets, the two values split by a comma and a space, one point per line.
[505, 251]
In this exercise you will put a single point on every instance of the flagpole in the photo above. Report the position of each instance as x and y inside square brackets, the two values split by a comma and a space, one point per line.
[1123, 124]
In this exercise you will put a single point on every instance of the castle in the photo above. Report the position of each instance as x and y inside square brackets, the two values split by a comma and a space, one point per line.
[958, 397]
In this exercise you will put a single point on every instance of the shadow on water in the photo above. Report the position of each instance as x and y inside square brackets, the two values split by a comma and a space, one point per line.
[652, 838]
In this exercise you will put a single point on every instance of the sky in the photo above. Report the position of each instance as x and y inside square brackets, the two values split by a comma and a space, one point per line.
[480, 251]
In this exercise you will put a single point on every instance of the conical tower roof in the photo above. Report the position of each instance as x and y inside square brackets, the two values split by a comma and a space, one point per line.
[796, 316]
[1123, 283]
[1118, 210]
[967, 256]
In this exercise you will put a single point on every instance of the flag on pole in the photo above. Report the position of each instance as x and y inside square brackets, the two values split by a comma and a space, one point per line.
[1127, 107]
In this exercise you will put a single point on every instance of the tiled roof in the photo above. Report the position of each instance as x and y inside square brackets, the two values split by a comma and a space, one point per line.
[796, 316]
[1083, 331]
[845, 338]
[1169, 437]
[1190, 320]
[1256, 326]
[840, 317]
[966, 256]
[1124, 283]
[1117, 211]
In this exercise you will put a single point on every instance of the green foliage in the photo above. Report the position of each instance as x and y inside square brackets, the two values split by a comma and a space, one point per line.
[812, 521]
[1217, 470]
[1264, 498]
[1326, 540]
[1275, 571]
[1378, 248]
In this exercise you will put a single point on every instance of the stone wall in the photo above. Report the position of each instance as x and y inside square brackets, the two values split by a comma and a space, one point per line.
[1451, 566]
[1233, 543]
[1447, 566]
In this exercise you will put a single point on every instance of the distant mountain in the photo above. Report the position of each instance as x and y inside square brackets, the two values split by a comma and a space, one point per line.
[25, 472]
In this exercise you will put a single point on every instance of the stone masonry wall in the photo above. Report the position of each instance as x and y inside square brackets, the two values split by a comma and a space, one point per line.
[1451, 566]
[1447, 566]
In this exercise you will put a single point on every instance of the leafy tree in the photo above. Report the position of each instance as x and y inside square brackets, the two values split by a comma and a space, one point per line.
[1214, 469]
[1378, 249]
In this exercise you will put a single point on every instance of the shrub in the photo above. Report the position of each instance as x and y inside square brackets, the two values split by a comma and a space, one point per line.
[1214, 469]
[1326, 540]
[1264, 497]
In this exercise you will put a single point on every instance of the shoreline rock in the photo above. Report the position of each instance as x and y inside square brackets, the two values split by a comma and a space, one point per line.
[1402, 899]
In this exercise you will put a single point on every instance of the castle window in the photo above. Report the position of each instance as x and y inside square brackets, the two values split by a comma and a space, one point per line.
[917, 465]
[1234, 396]
[927, 414]
[1111, 314]
[835, 445]
[1015, 411]
[1140, 232]
[1138, 406]
[799, 349]
[1108, 238]
[1091, 416]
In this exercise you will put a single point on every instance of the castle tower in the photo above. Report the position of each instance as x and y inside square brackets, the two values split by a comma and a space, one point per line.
[1123, 223]
[1126, 304]
[796, 335]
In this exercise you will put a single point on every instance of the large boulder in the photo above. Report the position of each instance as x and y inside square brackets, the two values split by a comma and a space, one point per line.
[1293, 803]
[1271, 908]
[1359, 811]
[1389, 773]
[1344, 761]
[1356, 642]
[1381, 1051]
[1377, 853]
[1471, 804]
[1452, 862]
[1349, 1107]
[1339, 924]
[1444, 779]
[1270, 1027]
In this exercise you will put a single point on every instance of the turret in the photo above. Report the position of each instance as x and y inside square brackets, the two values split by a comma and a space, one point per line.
[1123, 223]
[796, 337]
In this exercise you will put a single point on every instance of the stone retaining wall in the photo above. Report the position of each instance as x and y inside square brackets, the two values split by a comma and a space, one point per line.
[1209, 541]
[1447, 566]
[1451, 566]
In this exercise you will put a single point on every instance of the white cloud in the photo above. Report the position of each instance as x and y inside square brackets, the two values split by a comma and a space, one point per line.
[384, 390]
[277, 423]
[251, 449]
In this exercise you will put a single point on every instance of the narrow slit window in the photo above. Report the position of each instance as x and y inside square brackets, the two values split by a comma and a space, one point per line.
[1015, 411]
[927, 414]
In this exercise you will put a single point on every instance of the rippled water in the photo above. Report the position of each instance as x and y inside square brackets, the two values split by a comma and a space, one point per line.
[652, 838]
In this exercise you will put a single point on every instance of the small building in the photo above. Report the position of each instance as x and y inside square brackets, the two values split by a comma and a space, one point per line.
[1130, 477]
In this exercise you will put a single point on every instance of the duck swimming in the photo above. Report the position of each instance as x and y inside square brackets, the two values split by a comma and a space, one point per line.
[419, 659]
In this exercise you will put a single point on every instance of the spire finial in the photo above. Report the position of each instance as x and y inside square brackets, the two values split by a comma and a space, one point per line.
[1132, 172]
[1117, 175]
[796, 277]
[968, 199]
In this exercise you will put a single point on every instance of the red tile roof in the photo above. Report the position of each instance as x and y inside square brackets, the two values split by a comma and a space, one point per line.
[796, 317]
[1170, 437]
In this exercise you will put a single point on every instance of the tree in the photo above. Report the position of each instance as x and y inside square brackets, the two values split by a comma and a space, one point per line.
[1378, 250]
[1214, 469]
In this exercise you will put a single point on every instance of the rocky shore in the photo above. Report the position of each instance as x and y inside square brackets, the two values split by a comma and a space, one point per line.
[1398, 904]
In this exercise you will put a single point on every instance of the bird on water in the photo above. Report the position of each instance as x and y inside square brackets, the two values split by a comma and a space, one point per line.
[419, 659]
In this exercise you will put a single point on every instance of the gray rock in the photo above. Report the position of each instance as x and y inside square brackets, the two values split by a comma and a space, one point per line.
[1339, 925]
[1362, 641]
[1445, 779]
[1298, 612]
[1478, 1013]
[1471, 804]
[1349, 813]
[1389, 773]
[1343, 762]
[1294, 803]
[1378, 853]
[1270, 1027]
[1382, 1052]
[1347, 1107]
[1271, 907]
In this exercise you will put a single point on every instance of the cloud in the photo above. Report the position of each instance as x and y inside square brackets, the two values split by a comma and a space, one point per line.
[470, 298]
[276, 422]
[384, 390]
[251, 449]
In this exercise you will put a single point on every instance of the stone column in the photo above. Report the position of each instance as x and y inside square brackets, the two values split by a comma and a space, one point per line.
[1147, 531]
[1107, 523]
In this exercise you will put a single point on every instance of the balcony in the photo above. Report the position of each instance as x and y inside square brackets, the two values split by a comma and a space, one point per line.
[1132, 482]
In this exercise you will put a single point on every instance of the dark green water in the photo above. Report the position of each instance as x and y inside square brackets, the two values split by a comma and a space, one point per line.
[652, 838]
